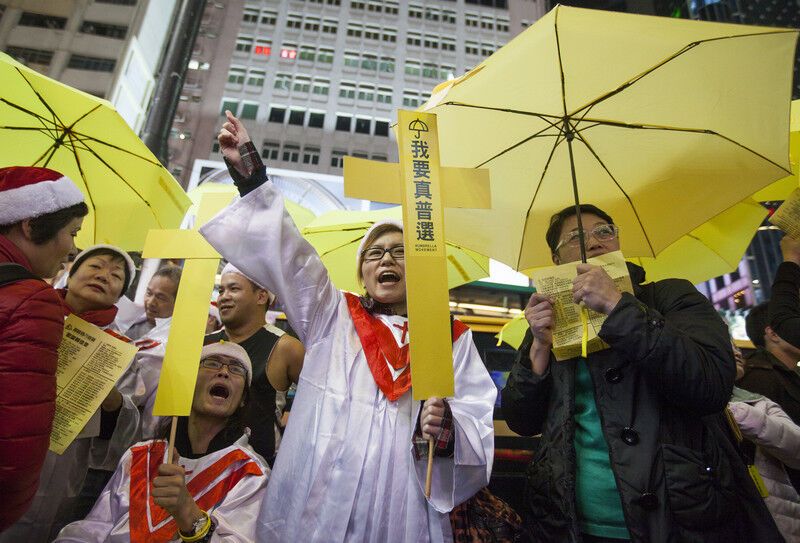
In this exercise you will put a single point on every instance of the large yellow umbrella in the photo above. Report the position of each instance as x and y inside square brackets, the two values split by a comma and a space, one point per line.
[781, 189]
[49, 124]
[336, 236]
[663, 123]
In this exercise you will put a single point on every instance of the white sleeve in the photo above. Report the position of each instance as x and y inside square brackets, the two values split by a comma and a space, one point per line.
[258, 236]
[106, 512]
[769, 427]
[457, 479]
[236, 515]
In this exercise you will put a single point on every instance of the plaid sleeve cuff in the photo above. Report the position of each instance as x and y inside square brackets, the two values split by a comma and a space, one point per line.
[444, 443]
[250, 157]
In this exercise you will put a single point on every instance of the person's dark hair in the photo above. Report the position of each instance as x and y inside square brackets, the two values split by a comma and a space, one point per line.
[557, 222]
[756, 322]
[102, 251]
[45, 227]
[170, 272]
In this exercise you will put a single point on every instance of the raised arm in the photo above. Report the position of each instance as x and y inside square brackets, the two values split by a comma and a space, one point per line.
[258, 236]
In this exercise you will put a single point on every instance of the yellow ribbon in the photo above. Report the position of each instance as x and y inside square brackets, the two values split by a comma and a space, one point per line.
[585, 334]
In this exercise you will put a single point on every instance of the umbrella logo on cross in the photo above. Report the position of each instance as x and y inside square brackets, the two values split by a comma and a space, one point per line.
[417, 126]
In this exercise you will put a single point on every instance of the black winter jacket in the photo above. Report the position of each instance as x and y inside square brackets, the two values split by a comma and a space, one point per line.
[661, 389]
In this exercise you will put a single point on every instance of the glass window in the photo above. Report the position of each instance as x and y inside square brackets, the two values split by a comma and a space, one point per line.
[27, 55]
[316, 119]
[291, 153]
[229, 104]
[297, 116]
[289, 51]
[432, 14]
[391, 7]
[413, 67]
[430, 69]
[277, 114]
[263, 47]
[244, 44]
[255, 78]
[42, 21]
[104, 29]
[307, 52]
[337, 158]
[431, 41]
[415, 11]
[311, 155]
[325, 55]
[384, 95]
[414, 39]
[363, 125]
[269, 150]
[389, 35]
[410, 98]
[347, 90]
[93, 64]
[269, 17]
[354, 30]
[366, 92]
[449, 16]
[321, 86]
[283, 81]
[369, 61]
[302, 83]
[472, 48]
[312, 24]
[471, 19]
[236, 75]
[343, 122]
[250, 15]
[386, 65]
[448, 44]
[330, 26]
[352, 59]
[294, 20]
[372, 32]
[381, 128]
[249, 110]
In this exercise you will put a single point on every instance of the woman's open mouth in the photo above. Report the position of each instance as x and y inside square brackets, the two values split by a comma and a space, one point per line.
[388, 278]
[219, 391]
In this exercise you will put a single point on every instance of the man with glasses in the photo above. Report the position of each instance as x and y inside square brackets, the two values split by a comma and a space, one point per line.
[635, 444]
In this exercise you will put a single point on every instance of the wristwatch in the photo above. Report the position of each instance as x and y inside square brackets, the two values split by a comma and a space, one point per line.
[199, 529]
[199, 523]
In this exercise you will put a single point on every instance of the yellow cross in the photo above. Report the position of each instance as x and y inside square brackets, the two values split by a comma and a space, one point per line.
[182, 357]
[423, 187]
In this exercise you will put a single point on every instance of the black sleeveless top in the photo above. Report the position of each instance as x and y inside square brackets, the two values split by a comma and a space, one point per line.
[260, 414]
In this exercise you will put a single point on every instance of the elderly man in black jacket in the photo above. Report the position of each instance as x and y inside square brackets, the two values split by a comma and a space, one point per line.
[635, 444]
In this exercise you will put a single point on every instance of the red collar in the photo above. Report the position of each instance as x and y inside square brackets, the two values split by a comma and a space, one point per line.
[98, 317]
[380, 346]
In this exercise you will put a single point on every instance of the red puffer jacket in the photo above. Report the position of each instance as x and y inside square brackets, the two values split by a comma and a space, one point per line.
[31, 324]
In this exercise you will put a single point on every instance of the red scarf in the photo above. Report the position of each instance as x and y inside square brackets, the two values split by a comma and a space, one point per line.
[144, 512]
[380, 346]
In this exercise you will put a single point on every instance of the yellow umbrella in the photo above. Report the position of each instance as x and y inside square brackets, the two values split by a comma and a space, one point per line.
[49, 124]
[301, 215]
[781, 189]
[336, 236]
[663, 123]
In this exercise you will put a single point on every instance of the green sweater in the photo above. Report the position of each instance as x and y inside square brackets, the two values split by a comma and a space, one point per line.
[599, 505]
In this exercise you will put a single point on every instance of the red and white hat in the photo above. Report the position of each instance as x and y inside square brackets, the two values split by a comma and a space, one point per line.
[361, 246]
[28, 192]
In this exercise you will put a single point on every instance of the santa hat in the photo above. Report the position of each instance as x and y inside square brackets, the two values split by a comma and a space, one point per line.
[130, 268]
[394, 222]
[230, 268]
[27, 193]
[233, 350]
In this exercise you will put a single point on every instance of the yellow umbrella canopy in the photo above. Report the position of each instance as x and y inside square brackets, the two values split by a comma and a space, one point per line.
[301, 215]
[781, 189]
[336, 236]
[663, 123]
[46, 123]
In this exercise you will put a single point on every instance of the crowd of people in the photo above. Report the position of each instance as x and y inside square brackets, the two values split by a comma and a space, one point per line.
[668, 434]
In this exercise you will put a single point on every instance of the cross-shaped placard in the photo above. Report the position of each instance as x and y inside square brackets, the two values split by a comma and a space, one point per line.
[423, 187]
[182, 356]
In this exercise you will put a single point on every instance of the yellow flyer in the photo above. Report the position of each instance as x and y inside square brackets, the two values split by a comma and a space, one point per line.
[787, 217]
[556, 281]
[89, 363]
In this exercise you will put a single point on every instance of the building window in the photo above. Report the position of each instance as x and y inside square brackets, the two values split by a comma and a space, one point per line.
[358, 4]
[297, 116]
[363, 125]
[448, 44]
[244, 44]
[311, 24]
[311, 155]
[255, 78]
[269, 17]
[502, 25]
[347, 90]
[432, 14]
[325, 55]
[229, 104]
[410, 98]
[471, 19]
[414, 39]
[215, 147]
[375, 7]
[263, 47]
[430, 70]
[343, 122]
[337, 158]
[389, 35]
[334, 2]
[372, 32]
[487, 23]
[103, 29]
[249, 110]
[30, 56]
[446, 72]
[302, 83]
[289, 51]
[381, 128]
[352, 59]
[384, 95]
[391, 7]
[487, 49]
[431, 41]
[387, 65]
[366, 92]
[413, 67]
[42, 21]
[472, 48]
[236, 75]
[330, 26]
[117, 2]
[283, 81]
[250, 15]
[291, 153]
[354, 30]
[277, 114]
[316, 119]
[321, 86]
[359, 154]
[379, 158]
[94, 64]
[307, 52]
[293, 20]
[449, 16]
[270, 150]
[415, 11]
[369, 62]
